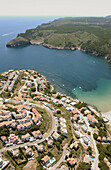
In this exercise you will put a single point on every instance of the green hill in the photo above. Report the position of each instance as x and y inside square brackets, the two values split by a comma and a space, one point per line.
[90, 34]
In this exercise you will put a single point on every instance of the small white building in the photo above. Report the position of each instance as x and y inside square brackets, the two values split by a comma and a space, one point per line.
[56, 136]
[77, 134]
[84, 128]
[76, 126]
[40, 148]
[50, 143]
[86, 140]
[63, 131]
[86, 112]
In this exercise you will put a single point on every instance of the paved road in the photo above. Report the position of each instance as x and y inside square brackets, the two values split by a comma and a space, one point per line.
[37, 141]
[95, 164]
[22, 88]
[36, 85]
[65, 152]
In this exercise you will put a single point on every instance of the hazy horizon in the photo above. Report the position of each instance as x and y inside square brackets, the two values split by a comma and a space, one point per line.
[51, 16]
[62, 8]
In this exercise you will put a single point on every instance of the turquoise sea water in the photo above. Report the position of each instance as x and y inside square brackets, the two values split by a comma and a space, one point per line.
[72, 72]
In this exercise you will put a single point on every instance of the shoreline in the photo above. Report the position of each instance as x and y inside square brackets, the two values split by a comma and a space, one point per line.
[32, 42]
[64, 94]
[107, 115]
[76, 99]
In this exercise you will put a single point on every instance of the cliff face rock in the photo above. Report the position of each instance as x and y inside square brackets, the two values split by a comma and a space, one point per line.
[94, 52]
[19, 41]
[91, 35]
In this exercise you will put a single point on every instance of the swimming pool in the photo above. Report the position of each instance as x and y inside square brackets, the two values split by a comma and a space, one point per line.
[91, 158]
[52, 160]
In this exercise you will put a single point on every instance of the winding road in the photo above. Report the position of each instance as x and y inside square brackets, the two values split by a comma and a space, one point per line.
[95, 164]
[65, 152]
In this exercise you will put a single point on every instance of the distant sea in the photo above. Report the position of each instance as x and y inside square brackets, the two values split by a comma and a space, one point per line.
[74, 73]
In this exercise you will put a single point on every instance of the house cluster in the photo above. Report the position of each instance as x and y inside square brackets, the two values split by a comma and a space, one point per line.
[104, 139]
[31, 77]
[28, 152]
[40, 97]
[12, 78]
[26, 137]
[72, 162]
[3, 79]
[63, 127]
[107, 163]
[41, 81]
[42, 87]
[47, 161]
[15, 139]
[79, 123]
[56, 136]
[91, 119]
[2, 83]
[22, 154]
[28, 75]
[15, 153]
[12, 139]
[37, 116]
[74, 145]
[86, 140]
[34, 80]
[26, 89]
[50, 143]
[33, 74]
[76, 115]
[5, 117]
[5, 74]
[84, 128]
[25, 123]
[77, 134]
[6, 124]
[79, 129]
[85, 111]
[20, 119]
[28, 79]
[40, 148]
[3, 163]
[88, 159]
[83, 138]
[37, 134]
[67, 102]
[36, 95]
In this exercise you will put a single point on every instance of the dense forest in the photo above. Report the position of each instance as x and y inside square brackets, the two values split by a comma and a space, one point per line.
[90, 34]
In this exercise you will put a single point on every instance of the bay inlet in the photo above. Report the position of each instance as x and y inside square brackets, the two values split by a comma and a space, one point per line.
[74, 73]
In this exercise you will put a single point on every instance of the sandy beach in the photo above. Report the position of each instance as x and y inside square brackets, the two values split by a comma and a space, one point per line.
[108, 116]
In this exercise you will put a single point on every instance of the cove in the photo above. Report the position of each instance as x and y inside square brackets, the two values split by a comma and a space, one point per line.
[74, 73]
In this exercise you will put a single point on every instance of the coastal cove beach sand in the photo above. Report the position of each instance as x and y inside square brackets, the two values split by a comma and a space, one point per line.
[107, 115]
[99, 97]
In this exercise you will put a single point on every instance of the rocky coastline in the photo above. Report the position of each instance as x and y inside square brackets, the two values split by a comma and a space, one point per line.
[72, 34]
[19, 41]
[26, 42]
